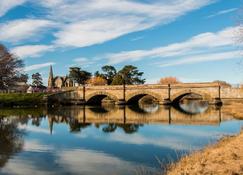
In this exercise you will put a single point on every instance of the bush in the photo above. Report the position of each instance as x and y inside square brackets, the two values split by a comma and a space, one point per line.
[169, 80]
[97, 81]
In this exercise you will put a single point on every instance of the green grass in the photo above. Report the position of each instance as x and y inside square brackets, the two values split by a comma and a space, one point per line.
[20, 99]
[22, 112]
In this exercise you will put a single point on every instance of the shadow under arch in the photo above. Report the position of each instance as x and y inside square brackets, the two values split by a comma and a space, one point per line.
[98, 97]
[189, 95]
[144, 109]
[102, 108]
[135, 97]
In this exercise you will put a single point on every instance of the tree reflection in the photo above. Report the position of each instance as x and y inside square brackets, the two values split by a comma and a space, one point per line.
[110, 128]
[75, 126]
[127, 128]
[10, 139]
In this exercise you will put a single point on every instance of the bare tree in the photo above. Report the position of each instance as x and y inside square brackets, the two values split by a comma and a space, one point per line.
[10, 69]
[169, 80]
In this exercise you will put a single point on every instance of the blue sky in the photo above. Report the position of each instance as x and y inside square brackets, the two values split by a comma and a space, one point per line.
[192, 40]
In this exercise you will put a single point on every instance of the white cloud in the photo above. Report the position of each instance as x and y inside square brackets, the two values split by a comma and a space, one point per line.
[23, 29]
[19, 166]
[97, 31]
[23, 166]
[137, 38]
[203, 58]
[34, 129]
[101, 20]
[6, 5]
[86, 23]
[204, 42]
[92, 162]
[84, 62]
[31, 50]
[36, 146]
[38, 66]
[222, 12]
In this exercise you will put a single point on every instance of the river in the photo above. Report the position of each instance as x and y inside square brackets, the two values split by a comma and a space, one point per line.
[107, 139]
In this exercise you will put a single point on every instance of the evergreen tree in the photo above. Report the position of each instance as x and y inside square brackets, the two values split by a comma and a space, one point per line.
[37, 80]
[109, 73]
[128, 75]
[79, 76]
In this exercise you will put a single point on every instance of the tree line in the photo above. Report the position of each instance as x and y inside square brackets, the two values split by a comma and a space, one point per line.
[129, 74]
[12, 73]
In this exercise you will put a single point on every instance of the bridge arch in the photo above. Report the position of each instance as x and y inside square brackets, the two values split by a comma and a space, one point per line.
[97, 97]
[134, 97]
[179, 95]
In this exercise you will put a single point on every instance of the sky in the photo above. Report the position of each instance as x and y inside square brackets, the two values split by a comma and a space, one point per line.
[192, 40]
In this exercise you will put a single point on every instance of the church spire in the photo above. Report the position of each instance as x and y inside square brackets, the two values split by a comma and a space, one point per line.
[50, 122]
[50, 79]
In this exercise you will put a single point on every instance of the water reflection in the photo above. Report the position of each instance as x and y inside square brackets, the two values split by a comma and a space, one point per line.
[105, 139]
[193, 106]
[10, 139]
[130, 118]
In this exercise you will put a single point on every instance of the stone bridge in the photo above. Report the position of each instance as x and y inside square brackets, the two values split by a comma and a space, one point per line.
[164, 94]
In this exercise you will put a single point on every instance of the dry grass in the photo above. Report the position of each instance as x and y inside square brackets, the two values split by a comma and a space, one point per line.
[225, 157]
[234, 109]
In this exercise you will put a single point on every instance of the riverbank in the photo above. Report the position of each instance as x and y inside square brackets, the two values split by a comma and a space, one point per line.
[235, 109]
[21, 99]
[225, 157]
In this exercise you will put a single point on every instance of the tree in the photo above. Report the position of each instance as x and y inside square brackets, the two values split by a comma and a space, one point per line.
[97, 81]
[117, 80]
[131, 75]
[84, 76]
[109, 73]
[10, 69]
[37, 80]
[169, 80]
[74, 74]
[24, 78]
[79, 76]
[222, 83]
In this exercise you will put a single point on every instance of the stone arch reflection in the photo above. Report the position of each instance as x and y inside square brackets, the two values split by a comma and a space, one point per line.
[191, 103]
[144, 108]
[194, 106]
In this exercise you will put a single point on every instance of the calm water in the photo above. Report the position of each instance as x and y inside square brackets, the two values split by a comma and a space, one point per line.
[106, 140]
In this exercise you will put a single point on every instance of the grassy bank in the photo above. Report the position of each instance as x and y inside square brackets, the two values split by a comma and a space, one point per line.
[225, 157]
[21, 99]
[235, 109]
[22, 112]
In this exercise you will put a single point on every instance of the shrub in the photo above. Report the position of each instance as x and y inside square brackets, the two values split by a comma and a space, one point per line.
[97, 81]
[169, 80]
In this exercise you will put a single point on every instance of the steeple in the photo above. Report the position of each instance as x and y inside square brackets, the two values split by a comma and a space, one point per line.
[50, 122]
[50, 79]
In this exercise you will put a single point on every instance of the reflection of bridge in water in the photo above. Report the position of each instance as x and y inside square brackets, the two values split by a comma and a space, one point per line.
[126, 115]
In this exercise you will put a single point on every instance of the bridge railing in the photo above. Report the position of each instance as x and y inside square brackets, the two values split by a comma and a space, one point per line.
[147, 86]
